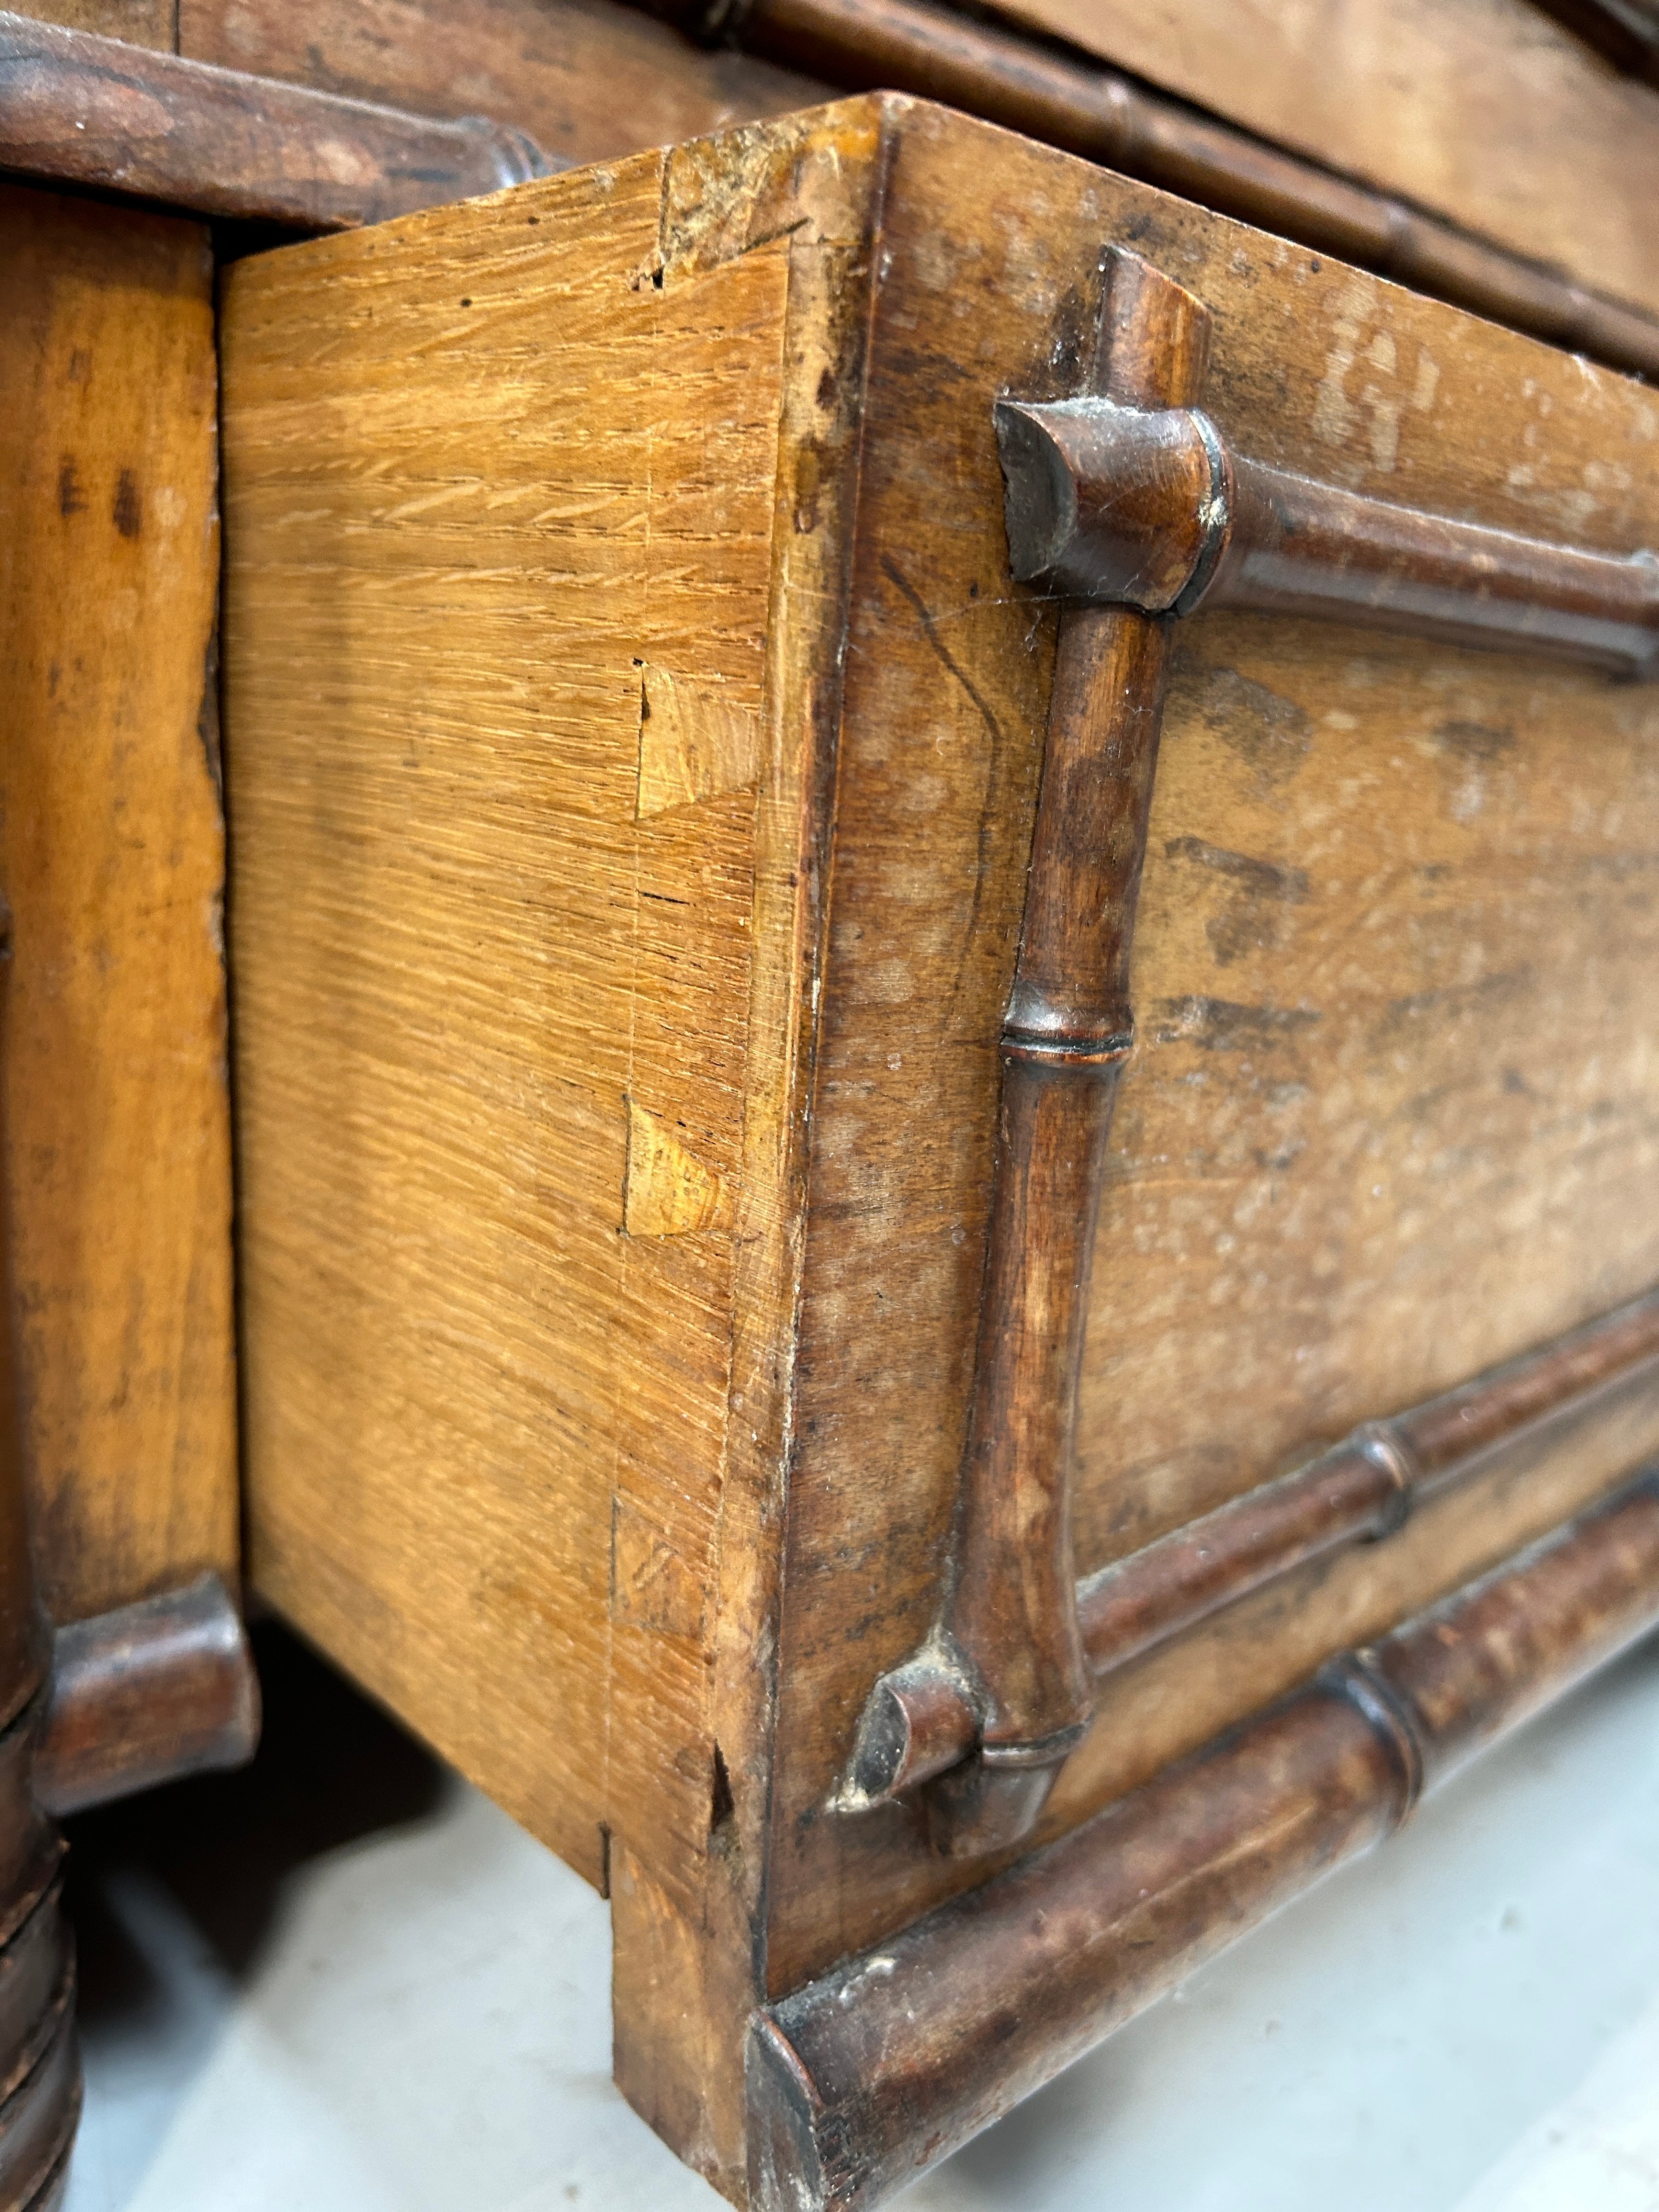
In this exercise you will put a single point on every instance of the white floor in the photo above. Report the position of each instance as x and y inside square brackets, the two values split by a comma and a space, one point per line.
[345, 1983]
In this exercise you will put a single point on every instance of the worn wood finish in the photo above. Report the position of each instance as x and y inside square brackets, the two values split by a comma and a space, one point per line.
[152, 23]
[82, 110]
[113, 865]
[989, 70]
[1424, 102]
[1626, 31]
[147, 1694]
[619, 1139]
[870, 2076]
[589, 80]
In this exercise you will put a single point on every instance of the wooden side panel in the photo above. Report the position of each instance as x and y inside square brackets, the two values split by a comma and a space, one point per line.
[114, 858]
[484, 469]
[1488, 112]
[1442, 856]
[588, 79]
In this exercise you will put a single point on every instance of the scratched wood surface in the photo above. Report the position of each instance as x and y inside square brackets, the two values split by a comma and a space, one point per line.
[1488, 112]
[1432, 867]
[113, 857]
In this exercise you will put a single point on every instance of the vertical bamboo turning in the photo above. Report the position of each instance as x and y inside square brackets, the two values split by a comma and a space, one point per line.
[1006, 1646]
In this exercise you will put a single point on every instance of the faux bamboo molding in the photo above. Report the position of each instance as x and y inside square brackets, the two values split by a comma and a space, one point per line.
[77, 109]
[1127, 503]
[866, 2077]
[1362, 1488]
[1153, 510]
[147, 1694]
[1006, 1645]
[1086, 108]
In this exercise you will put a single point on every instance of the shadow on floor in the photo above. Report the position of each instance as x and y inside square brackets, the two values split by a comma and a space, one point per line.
[331, 1768]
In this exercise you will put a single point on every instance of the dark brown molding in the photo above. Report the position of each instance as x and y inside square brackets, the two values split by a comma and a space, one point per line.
[80, 110]
[147, 1694]
[1069, 101]
[1006, 1646]
[920, 1720]
[39, 2075]
[865, 2078]
[1152, 509]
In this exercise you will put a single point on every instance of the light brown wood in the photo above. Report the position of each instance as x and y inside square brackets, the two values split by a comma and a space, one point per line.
[1487, 112]
[113, 867]
[627, 1508]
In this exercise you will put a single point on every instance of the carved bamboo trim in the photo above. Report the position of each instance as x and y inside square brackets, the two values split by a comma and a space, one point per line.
[863, 2079]
[82, 110]
[1006, 1646]
[1152, 509]
[1361, 1489]
[1085, 107]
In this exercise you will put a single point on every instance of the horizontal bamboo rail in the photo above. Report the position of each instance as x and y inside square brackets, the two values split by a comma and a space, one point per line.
[1085, 107]
[922, 1721]
[1153, 510]
[866, 2077]
[77, 109]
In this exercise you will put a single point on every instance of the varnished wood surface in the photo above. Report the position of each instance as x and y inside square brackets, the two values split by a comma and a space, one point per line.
[113, 867]
[1488, 112]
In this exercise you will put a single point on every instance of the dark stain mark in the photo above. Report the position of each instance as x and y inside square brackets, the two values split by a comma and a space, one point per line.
[1455, 1000]
[826, 394]
[1255, 899]
[1271, 734]
[1260, 879]
[466, 303]
[722, 1807]
[71, 500]
[1517, 1084]
[895, 575]
[1220, 1025]
[1474, 742]
[80, 366]
[129, 508]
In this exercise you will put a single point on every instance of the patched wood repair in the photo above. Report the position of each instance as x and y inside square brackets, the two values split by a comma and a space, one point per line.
[670, 1192]
[696, 739]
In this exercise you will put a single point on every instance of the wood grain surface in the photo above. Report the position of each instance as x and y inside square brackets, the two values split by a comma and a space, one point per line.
[588, 80]
[1487, 112]
[114, 860]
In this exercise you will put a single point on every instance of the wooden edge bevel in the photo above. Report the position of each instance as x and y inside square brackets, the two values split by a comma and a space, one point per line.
[80, 110]
[870, 2076]
[146, 1694]
[1048, 92]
